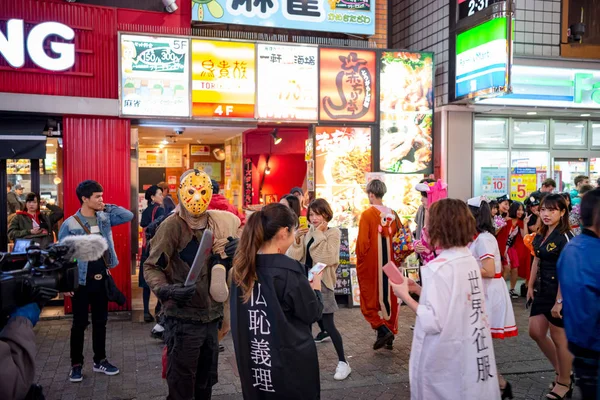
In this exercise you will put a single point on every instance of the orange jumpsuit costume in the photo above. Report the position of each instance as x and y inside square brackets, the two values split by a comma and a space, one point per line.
[378, 302]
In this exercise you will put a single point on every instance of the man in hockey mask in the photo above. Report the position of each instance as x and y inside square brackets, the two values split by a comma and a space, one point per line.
[192, 314]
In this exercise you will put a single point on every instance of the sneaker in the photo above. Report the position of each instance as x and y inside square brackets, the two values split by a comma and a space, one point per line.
[322, 337]
[76, 374]
[342, 371]
[513, 294]
[106, 368]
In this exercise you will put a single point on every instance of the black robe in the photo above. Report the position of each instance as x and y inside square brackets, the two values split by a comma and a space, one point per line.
[275, 351]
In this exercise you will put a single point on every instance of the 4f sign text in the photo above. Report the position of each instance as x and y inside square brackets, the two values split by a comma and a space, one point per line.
[13, 45]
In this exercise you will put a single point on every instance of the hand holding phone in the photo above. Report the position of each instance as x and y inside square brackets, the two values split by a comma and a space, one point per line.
[393, 273]
[316, 270]
[303, 222]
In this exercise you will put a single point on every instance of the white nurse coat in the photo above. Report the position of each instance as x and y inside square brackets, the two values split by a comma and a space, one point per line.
[452, 356]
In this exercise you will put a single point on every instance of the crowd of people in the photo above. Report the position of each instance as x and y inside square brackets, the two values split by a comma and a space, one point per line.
[271, 278]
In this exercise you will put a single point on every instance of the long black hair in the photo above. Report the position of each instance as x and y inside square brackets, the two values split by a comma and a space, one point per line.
[294, 203]
[483, 218]
[514, 208]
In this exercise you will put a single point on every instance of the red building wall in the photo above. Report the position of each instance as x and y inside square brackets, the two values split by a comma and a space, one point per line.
[98, 148]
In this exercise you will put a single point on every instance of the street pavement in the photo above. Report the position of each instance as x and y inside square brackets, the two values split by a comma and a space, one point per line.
[381, 375]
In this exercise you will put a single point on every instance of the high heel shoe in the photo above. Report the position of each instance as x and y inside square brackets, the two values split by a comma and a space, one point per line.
[507, 391]
[553, 396]
[551, 385]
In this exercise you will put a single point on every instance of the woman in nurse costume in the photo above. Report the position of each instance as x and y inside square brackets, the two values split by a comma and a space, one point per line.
[499, 307]
[452, 356]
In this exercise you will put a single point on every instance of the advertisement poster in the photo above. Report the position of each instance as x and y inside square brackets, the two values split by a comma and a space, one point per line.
[406, 113]
[341, 16]
[155, 76]
[343, 158]
[522, 183]
[288, 82]
[200, 150]
[174, 158]
[482, 59]
[494, 182]
[342, 283]
[347, 85]
[152, 157]
[310, 175]
[223, 79]
[213, 169]
[247, 184]
[402, 194]
[542, 175]
[355, 288]
[309, 151]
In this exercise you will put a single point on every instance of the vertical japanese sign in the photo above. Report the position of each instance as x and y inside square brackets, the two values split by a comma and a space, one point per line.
[154, 76]
[343, 16]
[494, 181]
[522, 182]
[247, 184]
[406, 113]
[288, 85]
[342, 283]
[259, 329]
[480, 346]
[347, 85]
[223, 79]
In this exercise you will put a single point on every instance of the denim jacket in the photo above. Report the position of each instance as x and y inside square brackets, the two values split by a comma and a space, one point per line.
[111, 216]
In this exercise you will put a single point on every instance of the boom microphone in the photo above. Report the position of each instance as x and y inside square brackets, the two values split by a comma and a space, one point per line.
[85, 247]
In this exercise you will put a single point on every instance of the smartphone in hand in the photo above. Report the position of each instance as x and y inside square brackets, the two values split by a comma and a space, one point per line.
[303, 222]
[393, 273]
[316, 270]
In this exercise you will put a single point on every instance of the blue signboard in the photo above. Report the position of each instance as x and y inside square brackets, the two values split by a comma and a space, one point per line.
[343, 16]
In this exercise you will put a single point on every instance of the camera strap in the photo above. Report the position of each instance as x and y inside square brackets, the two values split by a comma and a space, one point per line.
[87, 231]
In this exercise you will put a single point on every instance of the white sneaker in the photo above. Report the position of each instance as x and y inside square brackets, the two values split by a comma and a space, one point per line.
[342, 371]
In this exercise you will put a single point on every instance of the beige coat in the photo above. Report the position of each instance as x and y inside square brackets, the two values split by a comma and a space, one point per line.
[325, 249]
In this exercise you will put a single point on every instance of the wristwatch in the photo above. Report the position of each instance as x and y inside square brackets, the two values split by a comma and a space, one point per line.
[559, 301]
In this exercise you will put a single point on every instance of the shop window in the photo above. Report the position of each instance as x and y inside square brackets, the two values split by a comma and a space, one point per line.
[51, 174]
[596, 134]
[490, 172]
[530, 133]
[570, 134]
[19, 173]
[490, 132]
[540, 160]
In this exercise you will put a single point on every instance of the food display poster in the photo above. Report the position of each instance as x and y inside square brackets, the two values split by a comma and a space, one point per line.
[341, 16]
[223, 79]
[494, 181]
[152, 157]
[154, 76]
[213, 169]
[288, 82]
[342, 283]
[310, 175]
[347, 85]
[200, 150]
[522, 182]
[174, 158]
[406, 112]
[355, 288]
[247, 184]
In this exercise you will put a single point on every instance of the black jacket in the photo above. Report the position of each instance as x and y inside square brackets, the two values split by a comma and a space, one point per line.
[275, 351]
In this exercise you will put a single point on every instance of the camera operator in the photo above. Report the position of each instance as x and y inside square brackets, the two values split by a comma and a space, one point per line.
[17, 352]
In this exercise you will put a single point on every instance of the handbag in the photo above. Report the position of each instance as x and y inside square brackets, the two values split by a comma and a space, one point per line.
[112, 291]
[402, 242]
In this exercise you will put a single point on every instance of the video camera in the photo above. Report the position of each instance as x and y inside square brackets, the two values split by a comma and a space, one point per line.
[36, 274]
[24, 275]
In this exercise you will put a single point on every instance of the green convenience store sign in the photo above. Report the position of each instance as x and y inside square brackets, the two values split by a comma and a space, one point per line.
[482, 59]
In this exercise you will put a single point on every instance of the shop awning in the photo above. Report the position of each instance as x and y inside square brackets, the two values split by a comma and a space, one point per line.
[22, 139]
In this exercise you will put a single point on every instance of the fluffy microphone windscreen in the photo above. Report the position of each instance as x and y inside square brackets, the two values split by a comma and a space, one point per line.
[86, 247]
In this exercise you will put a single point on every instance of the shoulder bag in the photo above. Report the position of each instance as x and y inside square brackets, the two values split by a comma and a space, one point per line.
[112, 291]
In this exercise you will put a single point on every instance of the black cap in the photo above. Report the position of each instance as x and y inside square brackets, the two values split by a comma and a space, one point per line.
[503, 198]
[534, 199]
[296, 189]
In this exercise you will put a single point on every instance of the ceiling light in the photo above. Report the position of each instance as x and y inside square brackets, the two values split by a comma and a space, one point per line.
[49, 145]
[164, 141]
[585, 115]
[161, 146]
[276, 139]
[268, 171]
[531, 113]
[579, 126]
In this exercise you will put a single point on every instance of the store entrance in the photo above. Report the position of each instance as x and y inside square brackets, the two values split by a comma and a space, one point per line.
[565, 171]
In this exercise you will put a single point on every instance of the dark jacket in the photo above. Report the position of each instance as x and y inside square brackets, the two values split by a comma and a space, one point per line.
[17, 352]
[168, 204]
[579, 278]
[150, 214]
[21, 226]
[13, 202]
[272, 332]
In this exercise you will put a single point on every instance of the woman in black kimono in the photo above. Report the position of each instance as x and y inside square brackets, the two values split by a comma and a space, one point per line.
[546, 309]
[272, 308]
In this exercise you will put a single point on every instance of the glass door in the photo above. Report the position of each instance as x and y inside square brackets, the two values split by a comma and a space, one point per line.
[595, 169]
[566, 169]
